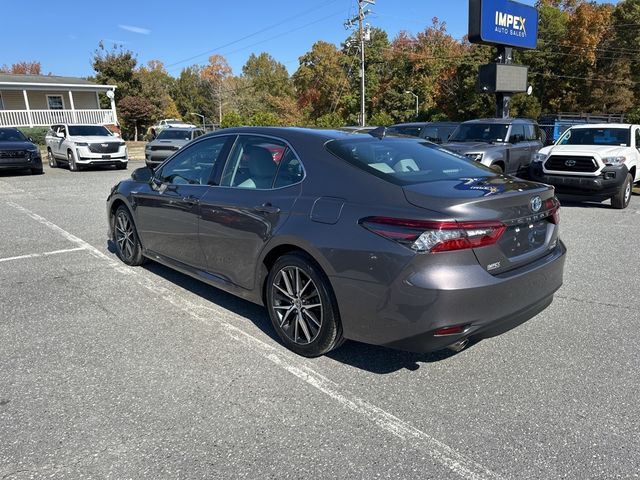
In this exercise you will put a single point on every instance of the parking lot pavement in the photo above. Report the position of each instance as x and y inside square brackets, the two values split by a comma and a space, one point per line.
[108, 371]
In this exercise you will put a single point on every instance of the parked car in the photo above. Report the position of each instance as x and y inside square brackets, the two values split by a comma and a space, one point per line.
[598, 160]
[504, 144]
[554, 125]
[168, 142]
[171, 123]
[436, 132]
[82, 146]
[413, 270]
[18, 152]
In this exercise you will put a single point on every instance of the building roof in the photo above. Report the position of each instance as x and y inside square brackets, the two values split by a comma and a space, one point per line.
[17, 81]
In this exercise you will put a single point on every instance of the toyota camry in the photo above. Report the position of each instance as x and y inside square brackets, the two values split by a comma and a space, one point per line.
[386, 240]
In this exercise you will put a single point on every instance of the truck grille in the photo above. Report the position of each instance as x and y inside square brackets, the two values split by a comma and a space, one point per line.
[108, 147]
[13, 154]
[567, 163]
[164, 147]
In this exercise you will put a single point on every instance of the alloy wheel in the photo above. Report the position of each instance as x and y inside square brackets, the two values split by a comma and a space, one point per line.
[297, 304]
[125, 235]
[627, 193]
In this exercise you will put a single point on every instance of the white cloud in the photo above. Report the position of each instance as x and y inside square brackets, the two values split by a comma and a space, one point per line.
[134, 29]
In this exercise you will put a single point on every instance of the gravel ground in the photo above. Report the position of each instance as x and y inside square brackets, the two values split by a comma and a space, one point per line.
[114, 372]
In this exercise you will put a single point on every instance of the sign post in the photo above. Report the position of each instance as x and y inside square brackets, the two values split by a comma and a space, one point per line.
[505, 24]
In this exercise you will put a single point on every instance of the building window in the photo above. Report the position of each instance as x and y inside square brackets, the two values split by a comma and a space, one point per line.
[1, 103]
[55, 102]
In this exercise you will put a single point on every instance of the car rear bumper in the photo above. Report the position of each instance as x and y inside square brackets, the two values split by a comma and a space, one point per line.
[406, 313]
[607, 183]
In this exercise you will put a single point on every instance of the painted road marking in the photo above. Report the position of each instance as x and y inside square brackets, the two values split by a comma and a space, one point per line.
[44, 254]
[458, 463]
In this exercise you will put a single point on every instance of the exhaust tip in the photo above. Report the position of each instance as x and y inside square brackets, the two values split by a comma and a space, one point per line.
[459, 345]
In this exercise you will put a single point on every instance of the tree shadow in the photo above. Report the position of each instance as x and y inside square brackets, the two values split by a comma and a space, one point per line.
[371, 358]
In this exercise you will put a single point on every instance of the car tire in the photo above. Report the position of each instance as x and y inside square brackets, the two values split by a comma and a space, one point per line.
[623, 196]
[53, 163]
[71, 160]
[302, 306]
[125, 235]
[497, 168]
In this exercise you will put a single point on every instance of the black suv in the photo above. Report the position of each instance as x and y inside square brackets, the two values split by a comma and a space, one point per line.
[18, 152]
[436, 132]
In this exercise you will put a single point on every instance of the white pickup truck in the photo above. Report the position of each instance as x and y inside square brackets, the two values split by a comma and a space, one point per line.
[85, 145]
[601, 160]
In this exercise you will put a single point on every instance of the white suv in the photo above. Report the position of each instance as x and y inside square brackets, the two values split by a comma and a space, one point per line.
[602, 160]
[85, 145]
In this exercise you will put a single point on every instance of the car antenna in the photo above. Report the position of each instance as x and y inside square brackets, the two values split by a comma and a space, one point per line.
[379, 132]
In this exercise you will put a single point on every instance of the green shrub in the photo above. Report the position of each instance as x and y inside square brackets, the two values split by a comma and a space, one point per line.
[330, 120]
[231, 119]
[36, 133]
[265, 119]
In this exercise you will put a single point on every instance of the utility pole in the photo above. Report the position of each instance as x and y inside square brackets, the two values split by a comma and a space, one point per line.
[362, 36]
[219, 103]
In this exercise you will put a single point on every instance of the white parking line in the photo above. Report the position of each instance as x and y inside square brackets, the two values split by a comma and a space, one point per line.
[44, 254]
[458, 463]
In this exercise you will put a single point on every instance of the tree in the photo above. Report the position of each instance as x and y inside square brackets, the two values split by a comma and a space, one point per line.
[213, 75]
[136, 112]
[191, 94]
[116, 67]
[22, 68]
[264, 119]
[155, 85]
[321, 80]
[231, 119]
[267, 77]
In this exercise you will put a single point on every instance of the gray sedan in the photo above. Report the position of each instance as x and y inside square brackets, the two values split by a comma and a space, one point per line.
[167, 143]
[386, 240]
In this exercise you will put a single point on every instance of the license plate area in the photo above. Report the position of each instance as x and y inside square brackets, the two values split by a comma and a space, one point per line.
[106, 157]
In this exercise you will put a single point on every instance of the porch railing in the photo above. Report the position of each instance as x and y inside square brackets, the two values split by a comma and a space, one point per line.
[45, 118]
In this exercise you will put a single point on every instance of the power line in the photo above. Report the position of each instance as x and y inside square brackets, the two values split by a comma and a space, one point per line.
[262, 30]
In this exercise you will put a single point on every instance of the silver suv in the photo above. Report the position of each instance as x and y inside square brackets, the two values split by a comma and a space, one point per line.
[505, 144]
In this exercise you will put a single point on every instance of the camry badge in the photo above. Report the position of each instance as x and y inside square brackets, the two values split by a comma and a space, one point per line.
[535, 204]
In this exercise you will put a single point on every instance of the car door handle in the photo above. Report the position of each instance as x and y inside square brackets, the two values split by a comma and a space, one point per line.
[191, 200]
[267, 208]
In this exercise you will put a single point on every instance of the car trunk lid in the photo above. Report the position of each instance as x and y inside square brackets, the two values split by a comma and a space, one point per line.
[525, 208]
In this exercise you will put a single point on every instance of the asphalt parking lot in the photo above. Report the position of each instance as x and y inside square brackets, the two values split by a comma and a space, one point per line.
[108, 371]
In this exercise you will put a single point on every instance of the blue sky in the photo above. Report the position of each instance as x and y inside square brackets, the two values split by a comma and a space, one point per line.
[62, 35]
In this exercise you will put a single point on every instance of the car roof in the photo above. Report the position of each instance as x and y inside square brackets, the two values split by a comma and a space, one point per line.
[289, 132]
[422, 124]
[603, 125]
[499, 120]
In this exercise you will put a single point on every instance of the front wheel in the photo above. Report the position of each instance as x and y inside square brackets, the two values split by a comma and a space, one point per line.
[302, 306]
[73, 166]
[53, 163]
[128, 245]
[623, 196]
[496, 167]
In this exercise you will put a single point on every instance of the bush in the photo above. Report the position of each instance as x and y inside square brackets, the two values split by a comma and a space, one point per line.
[329, 120]
[265, 119]
[231, 119]
[36, 133]
[381, 119]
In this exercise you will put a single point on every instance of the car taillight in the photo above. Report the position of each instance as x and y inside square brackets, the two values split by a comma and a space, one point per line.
[553, 205]
[427, 236]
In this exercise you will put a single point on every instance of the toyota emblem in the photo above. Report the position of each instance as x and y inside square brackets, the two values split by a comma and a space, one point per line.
[536, 204]
[570, 163]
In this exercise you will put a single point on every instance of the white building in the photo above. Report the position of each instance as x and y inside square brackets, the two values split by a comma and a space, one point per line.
[42, 100]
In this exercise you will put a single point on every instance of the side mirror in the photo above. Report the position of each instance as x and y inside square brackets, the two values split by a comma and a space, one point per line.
[30, 139]
[142, 174]
[116, 134]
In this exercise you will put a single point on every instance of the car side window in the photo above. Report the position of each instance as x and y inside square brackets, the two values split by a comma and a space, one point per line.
[194, 164]
[256, 161]
[530, 132]
[517, 133]
[638, 138]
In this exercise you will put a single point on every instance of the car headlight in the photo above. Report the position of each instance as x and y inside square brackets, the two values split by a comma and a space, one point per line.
[540, 157]
[476, 157]
[614, 160]
[82, 144]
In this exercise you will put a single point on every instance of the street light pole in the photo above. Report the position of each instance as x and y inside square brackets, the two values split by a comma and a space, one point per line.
[201, 116]
[417, 101]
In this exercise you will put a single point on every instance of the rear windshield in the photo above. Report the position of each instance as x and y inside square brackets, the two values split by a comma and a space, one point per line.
[596, 136]
[411, 130]
[480, 132]
[172, 134]
[405, 161]
[11, 135]
[88, 131]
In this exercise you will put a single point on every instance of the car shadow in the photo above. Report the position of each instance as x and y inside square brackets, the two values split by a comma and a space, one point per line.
[572, 201]
[371, 358]
[25, 172]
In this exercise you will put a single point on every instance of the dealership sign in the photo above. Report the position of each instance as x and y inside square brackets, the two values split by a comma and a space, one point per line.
[503, 22]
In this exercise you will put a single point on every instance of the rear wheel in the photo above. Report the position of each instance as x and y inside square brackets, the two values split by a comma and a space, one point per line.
[73, 166]
[302, 306]
[496, 167]
[53, 163]
[623, 196]
[128, 245]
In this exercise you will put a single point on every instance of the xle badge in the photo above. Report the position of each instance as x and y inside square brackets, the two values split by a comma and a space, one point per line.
[493, 266]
